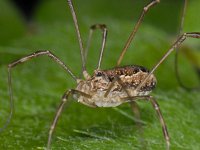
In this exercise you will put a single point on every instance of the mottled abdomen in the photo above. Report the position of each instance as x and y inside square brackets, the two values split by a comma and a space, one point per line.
[131, 76]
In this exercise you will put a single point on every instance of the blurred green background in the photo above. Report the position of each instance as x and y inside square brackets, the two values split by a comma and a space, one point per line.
[39, 84]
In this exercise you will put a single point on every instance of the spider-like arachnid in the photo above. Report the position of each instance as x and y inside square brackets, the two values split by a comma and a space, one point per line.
[107, 88]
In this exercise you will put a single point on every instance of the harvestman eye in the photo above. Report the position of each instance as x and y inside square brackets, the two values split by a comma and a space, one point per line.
[126, 84]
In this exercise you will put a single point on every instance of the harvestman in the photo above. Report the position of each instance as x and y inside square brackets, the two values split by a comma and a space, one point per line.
[107, 88]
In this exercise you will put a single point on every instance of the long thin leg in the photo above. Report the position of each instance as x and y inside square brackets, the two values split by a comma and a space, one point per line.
[78, 35]
[11, 103]
[135, 29]
[104, 30]
[40, 53]
[59, 111]
[178, 42]
[177, 52]
[55, 120]
[162, 122]
[158, 111]
[22, 60]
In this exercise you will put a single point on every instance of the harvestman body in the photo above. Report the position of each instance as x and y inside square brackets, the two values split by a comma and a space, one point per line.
[107, 88]
[105, 91]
